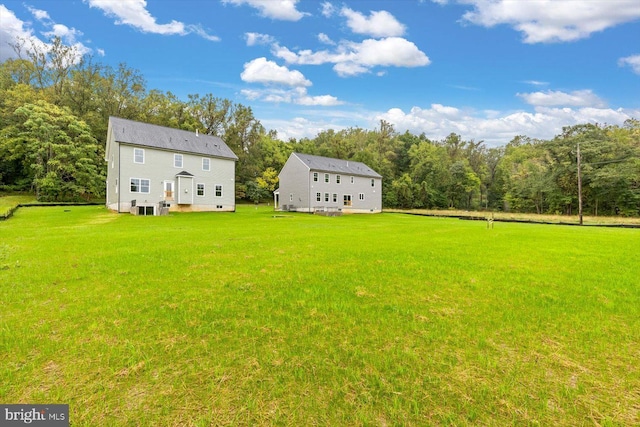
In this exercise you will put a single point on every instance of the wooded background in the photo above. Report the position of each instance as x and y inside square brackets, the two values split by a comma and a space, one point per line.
[55, 106]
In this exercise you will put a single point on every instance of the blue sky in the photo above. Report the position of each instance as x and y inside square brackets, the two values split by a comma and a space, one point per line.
[485, 69]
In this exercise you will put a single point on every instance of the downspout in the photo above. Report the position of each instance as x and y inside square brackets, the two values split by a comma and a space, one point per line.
[309, 192]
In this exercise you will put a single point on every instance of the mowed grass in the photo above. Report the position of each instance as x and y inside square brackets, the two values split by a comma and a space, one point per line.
[10, 201]
[257, 318]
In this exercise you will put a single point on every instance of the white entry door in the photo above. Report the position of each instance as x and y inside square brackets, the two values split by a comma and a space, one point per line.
[168, 190]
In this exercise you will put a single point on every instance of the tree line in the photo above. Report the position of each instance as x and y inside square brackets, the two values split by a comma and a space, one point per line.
[55, 105]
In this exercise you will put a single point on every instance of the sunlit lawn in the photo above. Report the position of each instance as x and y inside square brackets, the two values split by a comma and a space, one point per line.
[257, 318]
[10, 201]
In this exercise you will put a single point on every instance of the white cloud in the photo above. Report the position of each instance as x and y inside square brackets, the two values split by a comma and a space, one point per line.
[197, 29]
[498, 128]
[323, 100]
[254, 39]
[536, 83]
[323, 38]
[298, 96]
[352, 58]
[284, 10]
[378, 24]
[550, 98]
[260, 70]
[67, 34]
[13, 30]
[631, 61]
[547, 21]
[40, 15]
[135, 14]
[300, 127]
[327, 9]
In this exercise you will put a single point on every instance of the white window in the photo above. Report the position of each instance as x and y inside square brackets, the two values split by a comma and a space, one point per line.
[347, 200]
[139, 185]
[177, 160]
[218, 190]
[361, 196]
[335, 198]
[291, 197]
[337, 179]
[315, 177]
[318, 197]
[206, 164]
[326, 197]
[352, 180]
[326, 177]
[200, 190]
[138, 155]
[373, 182]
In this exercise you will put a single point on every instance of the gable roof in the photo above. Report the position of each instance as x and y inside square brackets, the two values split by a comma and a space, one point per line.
[328, 164]
[164, 138]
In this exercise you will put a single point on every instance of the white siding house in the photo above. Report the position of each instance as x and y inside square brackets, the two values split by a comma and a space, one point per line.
[154, 168]
[314, 183]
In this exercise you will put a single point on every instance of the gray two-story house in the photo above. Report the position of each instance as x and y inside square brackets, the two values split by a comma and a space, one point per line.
[314, 183]
[153, 169]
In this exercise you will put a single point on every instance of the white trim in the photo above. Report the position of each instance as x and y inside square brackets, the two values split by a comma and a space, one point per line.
[318, 197]
[338, 179]
[327, 178]
[344, 200]
[315, 177]
[361, 196]
[208, 164]
[352, 180]
[175, 157]
[215, 190]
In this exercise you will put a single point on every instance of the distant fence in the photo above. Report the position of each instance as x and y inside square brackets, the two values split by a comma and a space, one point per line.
[521, 221]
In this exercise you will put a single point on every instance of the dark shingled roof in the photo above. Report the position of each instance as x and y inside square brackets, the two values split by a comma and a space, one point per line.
[144, 134]
[327, 164]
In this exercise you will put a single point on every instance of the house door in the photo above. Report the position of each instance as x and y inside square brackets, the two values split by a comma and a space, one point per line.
[185, 190]
[168, 190]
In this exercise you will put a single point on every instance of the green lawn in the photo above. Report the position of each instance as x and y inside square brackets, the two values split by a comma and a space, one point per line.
[10, 201]
[251, 318]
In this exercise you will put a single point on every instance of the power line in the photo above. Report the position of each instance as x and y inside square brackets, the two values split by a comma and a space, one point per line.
[606, 162]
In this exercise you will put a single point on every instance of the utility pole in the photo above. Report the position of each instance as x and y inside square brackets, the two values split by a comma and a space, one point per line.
[579, 185]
